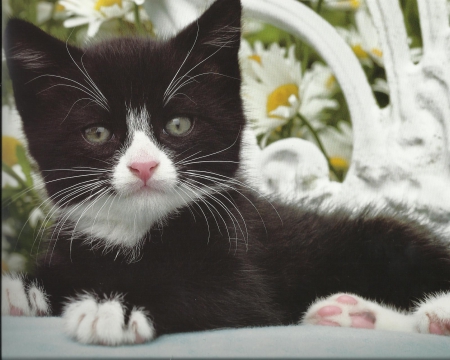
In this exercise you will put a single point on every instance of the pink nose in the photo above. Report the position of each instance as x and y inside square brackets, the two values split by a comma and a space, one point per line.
[143, 170]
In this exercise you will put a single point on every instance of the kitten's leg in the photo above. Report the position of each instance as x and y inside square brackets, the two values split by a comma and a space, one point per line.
[348, 310]
[433, 315]
[93, 321]
[21, 297]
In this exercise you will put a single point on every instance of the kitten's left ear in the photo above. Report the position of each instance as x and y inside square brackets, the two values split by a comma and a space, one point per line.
[217, 31]
[31, 51]
[35, 59]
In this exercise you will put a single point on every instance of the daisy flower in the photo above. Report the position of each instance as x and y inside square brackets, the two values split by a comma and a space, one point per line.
[44, 10]
[340, 4]
[251, 26]
[249, 54]
[367, 49]
[170, 16]
[95, 12]
[365, 41]
[275, 90]
[338, 144]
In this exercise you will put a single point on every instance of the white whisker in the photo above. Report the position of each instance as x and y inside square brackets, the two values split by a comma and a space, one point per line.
[195, 41]
[183, 162]
[231, 187]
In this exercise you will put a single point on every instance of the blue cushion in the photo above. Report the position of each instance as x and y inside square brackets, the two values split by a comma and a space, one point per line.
[44, 338]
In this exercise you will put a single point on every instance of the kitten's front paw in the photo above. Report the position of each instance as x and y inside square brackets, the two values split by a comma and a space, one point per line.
[348, 310]
[91, 321]
[19, 299]
[433, 315]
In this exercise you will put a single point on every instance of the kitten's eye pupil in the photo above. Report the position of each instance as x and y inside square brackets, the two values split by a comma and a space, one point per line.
[97, 134]
[179, 126]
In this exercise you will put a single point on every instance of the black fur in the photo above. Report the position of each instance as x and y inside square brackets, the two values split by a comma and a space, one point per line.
[188, 277]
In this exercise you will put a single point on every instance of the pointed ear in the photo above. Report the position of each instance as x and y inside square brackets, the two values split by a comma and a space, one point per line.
[29, 50]
[217, 31]
[33, 57]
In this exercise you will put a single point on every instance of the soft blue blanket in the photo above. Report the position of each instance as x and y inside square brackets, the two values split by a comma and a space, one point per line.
[43, 338]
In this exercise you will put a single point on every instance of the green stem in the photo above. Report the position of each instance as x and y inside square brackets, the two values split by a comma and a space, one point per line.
[319, 6]
[319, 143]
[137, 19]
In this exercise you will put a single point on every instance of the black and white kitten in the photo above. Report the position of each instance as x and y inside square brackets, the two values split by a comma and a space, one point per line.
[139, 143]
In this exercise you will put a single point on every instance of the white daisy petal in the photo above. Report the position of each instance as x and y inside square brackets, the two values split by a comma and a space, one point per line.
[275, 91]
[76, 21]
[93, 27]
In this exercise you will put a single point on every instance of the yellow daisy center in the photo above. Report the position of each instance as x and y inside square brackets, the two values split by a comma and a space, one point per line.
[360, 52]
[377, 52]
[331, 81]
[100, 3]
[256, 58]
[59, 7]
[355, 3]
[280, 97]
[9, 145]
[339, 163]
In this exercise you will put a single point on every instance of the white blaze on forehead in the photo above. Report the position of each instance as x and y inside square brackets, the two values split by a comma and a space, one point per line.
[138, 120]
[142, 147]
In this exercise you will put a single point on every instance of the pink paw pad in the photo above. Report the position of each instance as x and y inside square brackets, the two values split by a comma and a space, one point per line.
[439, 328]
[329, 310]
[347, 299]
[365, 320]
[435, 329]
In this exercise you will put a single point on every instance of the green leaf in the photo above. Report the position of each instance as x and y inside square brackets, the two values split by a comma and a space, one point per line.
[8, 192]
[25, 164]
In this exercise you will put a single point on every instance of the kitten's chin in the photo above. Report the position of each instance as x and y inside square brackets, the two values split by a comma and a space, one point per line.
[121, 219]
[147, 190]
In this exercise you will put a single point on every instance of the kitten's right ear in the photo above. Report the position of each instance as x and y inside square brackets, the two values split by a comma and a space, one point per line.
[31, 52]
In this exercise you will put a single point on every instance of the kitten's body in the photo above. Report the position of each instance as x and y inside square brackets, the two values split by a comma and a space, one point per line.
[191, 279]
[185, 240]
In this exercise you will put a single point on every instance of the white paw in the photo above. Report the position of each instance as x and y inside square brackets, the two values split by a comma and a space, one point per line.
[433, 315]
[103, 322]
[348, 310]
[21, 300]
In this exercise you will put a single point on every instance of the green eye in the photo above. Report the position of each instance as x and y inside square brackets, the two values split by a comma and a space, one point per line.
[179, 126]
[97, 134]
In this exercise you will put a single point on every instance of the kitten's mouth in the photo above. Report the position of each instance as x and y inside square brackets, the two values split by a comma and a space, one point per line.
[147, 189]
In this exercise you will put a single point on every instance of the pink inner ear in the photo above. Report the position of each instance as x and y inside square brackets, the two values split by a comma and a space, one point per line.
[143, 170]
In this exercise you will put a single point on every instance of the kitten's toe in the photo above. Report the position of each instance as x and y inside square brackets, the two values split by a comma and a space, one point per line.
[18, 300]
[79, 316]
[109, 324]
[348, 310]
[92, 322]
[433, 315]
[38, 300]
[140, 328]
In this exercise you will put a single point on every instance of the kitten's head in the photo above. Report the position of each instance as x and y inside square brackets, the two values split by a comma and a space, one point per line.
[127, 130]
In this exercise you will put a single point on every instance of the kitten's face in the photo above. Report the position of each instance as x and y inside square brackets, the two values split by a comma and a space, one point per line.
[128, 130]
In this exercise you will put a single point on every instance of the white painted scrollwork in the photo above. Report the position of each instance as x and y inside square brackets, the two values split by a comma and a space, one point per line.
[401, 153]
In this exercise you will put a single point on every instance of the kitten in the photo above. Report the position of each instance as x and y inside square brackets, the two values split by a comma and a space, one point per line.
[139, 143]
